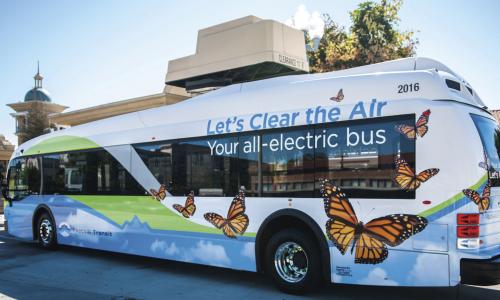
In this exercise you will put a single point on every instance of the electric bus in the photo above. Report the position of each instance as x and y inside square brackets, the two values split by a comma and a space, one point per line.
[386, 174]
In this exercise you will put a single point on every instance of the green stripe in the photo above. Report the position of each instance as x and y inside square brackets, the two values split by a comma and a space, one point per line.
[453, 199]
[121, 209]
[61, 144]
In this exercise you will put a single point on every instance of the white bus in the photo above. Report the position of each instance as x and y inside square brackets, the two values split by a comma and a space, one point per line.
[380, 175]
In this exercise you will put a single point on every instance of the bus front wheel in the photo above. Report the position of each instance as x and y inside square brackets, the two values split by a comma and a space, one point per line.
[46, 231]
[293, 261]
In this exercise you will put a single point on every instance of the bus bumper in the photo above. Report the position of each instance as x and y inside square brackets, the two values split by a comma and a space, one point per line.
[480, 271]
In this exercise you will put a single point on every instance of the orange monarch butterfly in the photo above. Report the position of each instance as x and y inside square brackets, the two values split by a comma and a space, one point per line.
[406, 178]
[370, 240]
[419, 129]
[482, 201]
[159, 195]
[236, 221]
[189, 207]
[340, 96]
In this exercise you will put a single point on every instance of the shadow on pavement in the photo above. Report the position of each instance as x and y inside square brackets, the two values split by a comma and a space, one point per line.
[91, 274]
[328, 291]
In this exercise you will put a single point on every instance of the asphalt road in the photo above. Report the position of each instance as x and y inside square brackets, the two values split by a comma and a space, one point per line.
[27, 272]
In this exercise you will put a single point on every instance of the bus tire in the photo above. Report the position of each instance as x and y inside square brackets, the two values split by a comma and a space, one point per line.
[46, 231]
[293, 261]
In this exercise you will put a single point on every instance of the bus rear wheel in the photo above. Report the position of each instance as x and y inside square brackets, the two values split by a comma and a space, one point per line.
[46, 231]
[293, 261]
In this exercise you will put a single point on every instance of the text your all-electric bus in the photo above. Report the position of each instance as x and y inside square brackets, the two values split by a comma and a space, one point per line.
[386, 174]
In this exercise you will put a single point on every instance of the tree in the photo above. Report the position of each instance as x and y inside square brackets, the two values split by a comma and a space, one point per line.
[37, 122]
[373, 37]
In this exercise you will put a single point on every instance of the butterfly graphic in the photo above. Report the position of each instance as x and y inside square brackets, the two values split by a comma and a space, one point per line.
[419, 129]
[236, 221]
[482, 201]
[406, 178]
[159, 195]
[339, 97]
[189, 207]
[370, 240]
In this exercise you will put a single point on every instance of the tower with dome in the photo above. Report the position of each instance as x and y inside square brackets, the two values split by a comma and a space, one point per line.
[37, 102]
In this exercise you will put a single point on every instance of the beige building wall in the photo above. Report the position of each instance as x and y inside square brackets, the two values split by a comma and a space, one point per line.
[241, 43]
[170, 95]
[6, 150]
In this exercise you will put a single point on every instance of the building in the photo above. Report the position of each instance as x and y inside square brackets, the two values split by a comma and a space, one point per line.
[240, 50]
[6, 149]
[245, 49]
[170, 95]
[36, 100]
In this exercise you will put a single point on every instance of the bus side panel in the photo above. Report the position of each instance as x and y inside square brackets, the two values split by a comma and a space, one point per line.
[20, 215]
[82, 226]
[404, 268]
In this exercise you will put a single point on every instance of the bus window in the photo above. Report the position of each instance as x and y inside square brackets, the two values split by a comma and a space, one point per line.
[208, 167]
[288, 163]
[212, 166]
[490, 137]
[94, 172]
[24, 178]
[359, 156]
[158, 157]
[248, 164]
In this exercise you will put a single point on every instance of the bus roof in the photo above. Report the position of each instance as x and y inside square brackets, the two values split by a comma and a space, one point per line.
[291, 92]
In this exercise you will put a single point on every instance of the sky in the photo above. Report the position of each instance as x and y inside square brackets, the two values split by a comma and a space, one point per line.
[95, 52]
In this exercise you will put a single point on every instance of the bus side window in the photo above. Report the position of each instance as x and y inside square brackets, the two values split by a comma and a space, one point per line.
[24, 178]
[359, 156]
[288, 163]
[93, 172]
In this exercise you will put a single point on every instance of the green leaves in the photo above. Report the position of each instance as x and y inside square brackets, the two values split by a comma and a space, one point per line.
[373, 37]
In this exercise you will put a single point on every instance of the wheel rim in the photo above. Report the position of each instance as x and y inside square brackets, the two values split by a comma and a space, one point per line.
[290, 261]
[46, 231]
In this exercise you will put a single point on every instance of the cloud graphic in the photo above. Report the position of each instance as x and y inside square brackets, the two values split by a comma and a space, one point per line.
[249, 250]
[420, 274]
[157, 245]
[377, 276]
[164, 247]
[209, 253]
[124, 246]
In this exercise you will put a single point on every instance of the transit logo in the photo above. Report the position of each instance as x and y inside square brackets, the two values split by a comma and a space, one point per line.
[64, 229]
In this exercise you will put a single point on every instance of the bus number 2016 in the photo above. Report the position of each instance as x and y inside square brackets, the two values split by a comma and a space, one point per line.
[408, 88]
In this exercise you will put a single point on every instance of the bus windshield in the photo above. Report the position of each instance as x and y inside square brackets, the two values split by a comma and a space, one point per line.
[490, 136]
